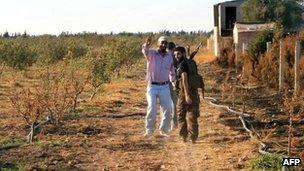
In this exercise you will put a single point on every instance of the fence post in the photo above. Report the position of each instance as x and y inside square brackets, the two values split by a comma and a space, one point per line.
[236, 57]
[244, 48]
[216, 42]
[268, 46]
[297, 57]
[281, 67]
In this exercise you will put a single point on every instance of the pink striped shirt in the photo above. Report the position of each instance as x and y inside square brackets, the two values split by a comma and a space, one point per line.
[159, 68]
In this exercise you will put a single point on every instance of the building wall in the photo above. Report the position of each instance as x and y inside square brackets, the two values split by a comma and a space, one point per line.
[244, 38]
[216, 15]
[220, 23]
[222, 12]
[216, 42]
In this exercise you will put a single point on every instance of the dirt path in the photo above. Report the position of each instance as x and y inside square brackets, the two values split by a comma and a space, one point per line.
[220, 146]
[107, 134]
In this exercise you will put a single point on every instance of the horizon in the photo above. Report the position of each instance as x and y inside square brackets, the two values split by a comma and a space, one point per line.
[18, 34]
[55, 17]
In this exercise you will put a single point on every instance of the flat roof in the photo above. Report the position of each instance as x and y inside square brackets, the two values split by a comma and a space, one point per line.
[252, 26]
[227, 2]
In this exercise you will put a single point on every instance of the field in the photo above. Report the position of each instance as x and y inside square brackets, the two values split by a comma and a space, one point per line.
[93, 88]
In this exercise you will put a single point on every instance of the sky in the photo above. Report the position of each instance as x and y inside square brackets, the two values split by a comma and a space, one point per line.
[103, 16]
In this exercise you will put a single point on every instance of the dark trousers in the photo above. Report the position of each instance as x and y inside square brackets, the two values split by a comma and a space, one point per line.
[188, 115]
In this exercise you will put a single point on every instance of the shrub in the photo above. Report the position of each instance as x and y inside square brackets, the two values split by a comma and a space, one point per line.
[76, 50]
[257, 45]
[99, 72]
[122, 53]
[28, 103]
[61, 91]
[17, 55]
[267, 71]
[55, 51]
[227, 55]
[111, 59]
[267, 161]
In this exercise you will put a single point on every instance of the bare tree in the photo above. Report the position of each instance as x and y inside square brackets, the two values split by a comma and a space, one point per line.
[27, 103]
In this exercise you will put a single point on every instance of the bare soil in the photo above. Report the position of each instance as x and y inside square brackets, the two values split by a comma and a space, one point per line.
[107, 134]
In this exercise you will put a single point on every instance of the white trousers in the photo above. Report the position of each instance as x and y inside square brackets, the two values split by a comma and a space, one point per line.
[161, 92]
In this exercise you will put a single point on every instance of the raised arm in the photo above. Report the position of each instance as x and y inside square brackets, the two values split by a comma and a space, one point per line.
[146, 48]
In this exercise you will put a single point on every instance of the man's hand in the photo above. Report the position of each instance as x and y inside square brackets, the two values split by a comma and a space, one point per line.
[149, 40]
[188, 99]
[173, 85]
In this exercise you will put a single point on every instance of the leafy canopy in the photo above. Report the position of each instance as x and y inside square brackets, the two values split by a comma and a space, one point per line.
[288, 13]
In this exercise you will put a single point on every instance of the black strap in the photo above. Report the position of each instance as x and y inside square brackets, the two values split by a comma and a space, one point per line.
[160, 83]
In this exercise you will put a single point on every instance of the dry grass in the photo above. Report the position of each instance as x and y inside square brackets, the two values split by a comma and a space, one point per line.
[204, 56]
[227, 54]
[90, 135]
[93, 139]
[267, 70]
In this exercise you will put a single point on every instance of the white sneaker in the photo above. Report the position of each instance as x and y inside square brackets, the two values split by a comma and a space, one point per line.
[163, 134]
[148, 135]
[173, 126]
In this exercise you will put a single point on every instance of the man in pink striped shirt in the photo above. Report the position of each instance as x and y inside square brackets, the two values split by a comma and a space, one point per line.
[160, 71]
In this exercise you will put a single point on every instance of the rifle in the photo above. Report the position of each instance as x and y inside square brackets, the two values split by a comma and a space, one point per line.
[191, 56]
[198, 46]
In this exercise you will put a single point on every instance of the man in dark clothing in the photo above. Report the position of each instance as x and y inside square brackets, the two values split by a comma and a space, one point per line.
[188, 99]
[171, 47]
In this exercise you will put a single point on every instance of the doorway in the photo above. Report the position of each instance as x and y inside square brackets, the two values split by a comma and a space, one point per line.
[230, 17]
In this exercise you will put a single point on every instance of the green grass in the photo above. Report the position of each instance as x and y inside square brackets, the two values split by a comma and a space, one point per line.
[267, 161]
[39, 143]
[229, 101]
[9, 167]
[12, 143]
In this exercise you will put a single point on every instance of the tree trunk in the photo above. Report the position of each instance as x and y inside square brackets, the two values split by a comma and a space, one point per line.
[31, 134]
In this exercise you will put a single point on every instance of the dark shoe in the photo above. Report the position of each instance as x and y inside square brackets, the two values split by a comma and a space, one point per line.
[193, 141]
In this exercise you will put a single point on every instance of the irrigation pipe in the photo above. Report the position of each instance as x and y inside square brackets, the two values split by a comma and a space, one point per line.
[212, 100]
[263, 146]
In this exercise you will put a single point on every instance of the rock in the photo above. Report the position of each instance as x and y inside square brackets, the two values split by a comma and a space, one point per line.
[119, 165]
[205, 157]
[240, 166]
[105, 168]
[162, 167]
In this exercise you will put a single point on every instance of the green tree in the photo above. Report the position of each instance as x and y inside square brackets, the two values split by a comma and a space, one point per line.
[253, 11]
[17, 55]
[285, 12]
[6, 35]
[257, 46]
[24, 35]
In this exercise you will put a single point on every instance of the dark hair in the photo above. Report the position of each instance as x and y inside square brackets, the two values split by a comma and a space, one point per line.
[180, 49]
[171, 45]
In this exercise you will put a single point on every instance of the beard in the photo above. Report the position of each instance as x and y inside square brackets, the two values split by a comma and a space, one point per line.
[180, 59]
[162, 48]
